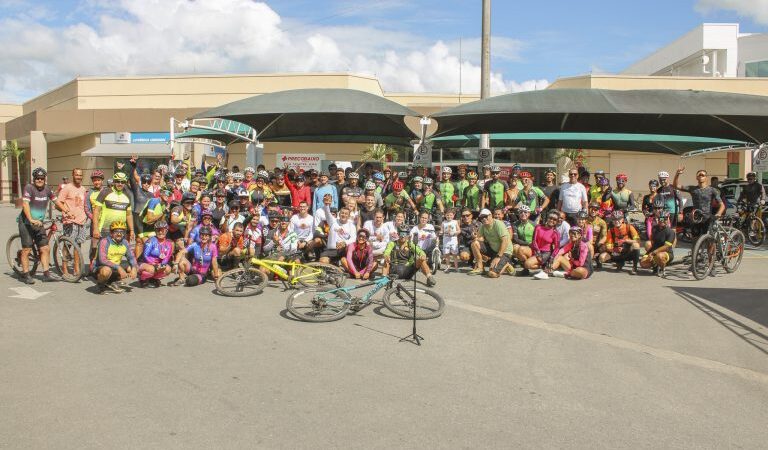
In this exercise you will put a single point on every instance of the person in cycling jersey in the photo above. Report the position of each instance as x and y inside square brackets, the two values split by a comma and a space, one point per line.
[231, 247]
[531, 196]
[622, 244]
[280, 243]
[397, 199]
[494, 190]
[97, 180]
[753, 193]
[155, 261]
[197, 260]
[472, 194]
[595, 192]
[181, 219]
[404, 258]
[574, 257]
[108, 267]
[623, 200]
[372, 190]
[669, 195]
[461, 183]
[359, 261]
[430, 201]
[113, 204]
[447, 189]
[660, 251]
[545, 244]
[352, 188]
[586, 230]
[416, 190]
[522, 234]
[36, 197]
[606, 198]
[599, 231]
[702, 197]
[206, 220]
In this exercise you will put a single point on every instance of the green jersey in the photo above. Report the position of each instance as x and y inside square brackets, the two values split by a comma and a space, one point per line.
[495, 190]
[428, 201]
[523, 232]
[533, 198]
[461, 186]
[395, 201]
[471, 197]
[447, 191]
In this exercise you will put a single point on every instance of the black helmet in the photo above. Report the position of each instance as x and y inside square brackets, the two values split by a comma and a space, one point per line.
[188, 197]
[583, 214]
[39, 173]
[180, 171]
[205, 230]
[403, 230]
[146, 178]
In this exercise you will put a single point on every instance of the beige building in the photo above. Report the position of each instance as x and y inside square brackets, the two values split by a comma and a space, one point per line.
[84, 123]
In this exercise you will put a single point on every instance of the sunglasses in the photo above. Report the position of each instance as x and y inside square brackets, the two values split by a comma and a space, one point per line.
[118, 182]
[466, 215]
[40, 178]
[573, 174]
[701, 174]
[483, 217]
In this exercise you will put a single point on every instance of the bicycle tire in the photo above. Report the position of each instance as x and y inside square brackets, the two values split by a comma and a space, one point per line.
[233, 283]
[66, 244]
[429, 304]
[702, 261]
[305, 305]
[756, 231]
[734, 250]
[332, 275]
[12, 253]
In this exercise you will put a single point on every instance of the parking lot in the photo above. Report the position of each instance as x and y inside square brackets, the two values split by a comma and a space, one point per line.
[616, 361]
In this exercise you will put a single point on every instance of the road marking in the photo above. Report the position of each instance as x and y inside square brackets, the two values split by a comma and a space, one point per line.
[668, 355]
[26, 293]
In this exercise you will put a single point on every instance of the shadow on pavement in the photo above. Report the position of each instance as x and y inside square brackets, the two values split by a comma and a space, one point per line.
[734, 304]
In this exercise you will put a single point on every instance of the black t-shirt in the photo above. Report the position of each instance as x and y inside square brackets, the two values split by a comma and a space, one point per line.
[366, 215]
[661, 236]
[703, 197]
[752, 192]
[467, 230]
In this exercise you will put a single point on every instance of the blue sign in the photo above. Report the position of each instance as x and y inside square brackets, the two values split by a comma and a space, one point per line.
[150, 138]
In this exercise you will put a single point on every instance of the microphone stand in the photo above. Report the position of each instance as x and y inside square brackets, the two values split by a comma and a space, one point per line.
[414, 337]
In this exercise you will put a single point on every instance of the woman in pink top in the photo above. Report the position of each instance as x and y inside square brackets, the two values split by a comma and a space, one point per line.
[545, 243]
[574, 258]
[359, 261]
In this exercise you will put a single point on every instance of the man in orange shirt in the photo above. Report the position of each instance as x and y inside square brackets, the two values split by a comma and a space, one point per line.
[73, 195]
[231, 246]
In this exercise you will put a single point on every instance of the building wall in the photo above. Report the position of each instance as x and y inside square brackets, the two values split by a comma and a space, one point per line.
[752, 48]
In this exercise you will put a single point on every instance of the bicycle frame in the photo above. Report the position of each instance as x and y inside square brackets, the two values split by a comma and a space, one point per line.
[288, 272]
[379, 283]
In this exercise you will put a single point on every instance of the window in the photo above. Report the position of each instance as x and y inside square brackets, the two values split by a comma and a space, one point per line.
[756, 69]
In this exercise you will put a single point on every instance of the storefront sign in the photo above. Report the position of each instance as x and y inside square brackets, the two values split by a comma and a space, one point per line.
[300, 161]
[150, 138]
[422, 154]
[760, 160]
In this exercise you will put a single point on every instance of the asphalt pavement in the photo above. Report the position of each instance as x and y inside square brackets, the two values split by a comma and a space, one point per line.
[616, 361]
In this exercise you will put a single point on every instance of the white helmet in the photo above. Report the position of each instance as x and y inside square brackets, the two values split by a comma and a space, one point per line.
[237, 176]
[249, 169]
[663, 174]
[354, 176]
[370, 185]
[447, 169]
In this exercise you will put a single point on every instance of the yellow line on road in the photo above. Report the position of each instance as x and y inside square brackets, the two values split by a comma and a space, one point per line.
[669, 355]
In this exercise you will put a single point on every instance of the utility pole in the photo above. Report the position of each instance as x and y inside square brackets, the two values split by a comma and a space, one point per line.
[485, 65]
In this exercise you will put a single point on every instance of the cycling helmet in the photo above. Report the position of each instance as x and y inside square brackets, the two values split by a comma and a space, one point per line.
[220, 193]
[603, 182]
[180, 172]
[378, 176]
[205, 230]
[162, 168]
[188, 197]
[261, 177]
[418, 179]
[472, 175]
[751, 174]
[402, 175]
[599, 172]
[621, 177]
[370, 185]
[526, 174]
[582, 214]
[654, 183]
[575, 230]
[663, 174]
[300, 179]
[523, 208]
[160, 224]
[447, 169]
[167, 178]
[242, 192]
[617, 215]
[97, 174]
[206, 212]
[118, 225]
[397, 185]
[403, 231]
[119, 176]
[237, 176]
[199, 172]
[594, 204]
[495, 168]
[249, 169]
[146, 178]
[418, 165]
[234, 204]
[410, 167]
[515, 166]
[428, 181]
[354, 176]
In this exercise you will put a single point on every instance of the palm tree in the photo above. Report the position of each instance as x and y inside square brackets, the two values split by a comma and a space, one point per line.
[12, 150]
[380, 153]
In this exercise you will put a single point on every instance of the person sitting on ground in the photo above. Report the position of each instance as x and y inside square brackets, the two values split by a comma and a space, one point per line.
[108, 266]
[522, 234]
[574, 258]
[493, 242]
[341, 232]
[156, 257]
[586, 230]
[231, 247]
[545, 244]
[622, 244]
[467, 235]
[280, 242]
[660, 253]
[403, 258]
[197, 260]
[426, 237]
[359, 262]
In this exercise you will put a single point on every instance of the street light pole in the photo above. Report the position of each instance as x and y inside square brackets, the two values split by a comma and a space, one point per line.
[485, 64]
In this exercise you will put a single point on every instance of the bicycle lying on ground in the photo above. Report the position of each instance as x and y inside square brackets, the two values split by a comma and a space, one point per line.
[252, 276]
[720, 243]
[65, 253]
[326, 305]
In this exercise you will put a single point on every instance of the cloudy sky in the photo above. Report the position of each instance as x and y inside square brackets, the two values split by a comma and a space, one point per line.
[408, 45]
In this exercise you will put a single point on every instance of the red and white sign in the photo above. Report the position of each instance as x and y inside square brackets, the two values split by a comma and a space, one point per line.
[300, 161]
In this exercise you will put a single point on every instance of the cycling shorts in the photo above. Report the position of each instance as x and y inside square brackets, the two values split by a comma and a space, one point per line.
[32, 235]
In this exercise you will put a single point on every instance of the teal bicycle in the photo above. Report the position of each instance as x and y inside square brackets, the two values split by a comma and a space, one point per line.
[326, 305]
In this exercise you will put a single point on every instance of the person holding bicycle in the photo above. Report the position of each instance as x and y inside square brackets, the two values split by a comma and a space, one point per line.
[36, 196]
[108, 267]
[404, 258]
[702, 197]
[753, 194]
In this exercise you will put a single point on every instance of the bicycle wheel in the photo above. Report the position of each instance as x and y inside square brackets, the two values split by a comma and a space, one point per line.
[67, 255]
[756, 231]
[400, 300]
[318, 305]
[734, 250]
[13, 254]
[703, 257]
[241, 282]
[329, 275]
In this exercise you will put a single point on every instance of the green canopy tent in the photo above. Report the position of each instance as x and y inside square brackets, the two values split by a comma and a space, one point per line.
[651, 143]
[223, 131]
[720, 115]
[320, 115]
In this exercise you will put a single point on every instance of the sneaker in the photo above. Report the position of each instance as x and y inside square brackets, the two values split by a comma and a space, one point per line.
[114, 288]
[633, 272]
[662, 272]
[475, 272]
[558, 274]
[541, 276]
[447, 269]
[143, 283]
[509, 269]
[27, 279]
[523, 273]
[154, 282]
[431, 281]
[49, 277]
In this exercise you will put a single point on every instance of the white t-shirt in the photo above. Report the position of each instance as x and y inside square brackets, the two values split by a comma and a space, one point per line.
[303, 227]
[340, 232]
[426, 236]
[319, 216]
[451, 232]
[563, 230]
[572, 196]
[391, 229]
[379, 236]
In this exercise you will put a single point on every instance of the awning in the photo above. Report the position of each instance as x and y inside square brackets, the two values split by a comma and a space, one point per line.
[117, 150]
[320, 115]
[224, 131]
[652, 143]
[721, 115]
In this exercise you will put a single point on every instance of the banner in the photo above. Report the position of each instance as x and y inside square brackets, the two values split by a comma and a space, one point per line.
[300, 161]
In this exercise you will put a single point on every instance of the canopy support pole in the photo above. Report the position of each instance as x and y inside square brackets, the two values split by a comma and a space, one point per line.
[736, 128]
[260, 132]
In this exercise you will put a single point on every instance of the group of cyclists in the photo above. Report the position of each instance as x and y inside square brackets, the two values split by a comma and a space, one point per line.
[188, 224]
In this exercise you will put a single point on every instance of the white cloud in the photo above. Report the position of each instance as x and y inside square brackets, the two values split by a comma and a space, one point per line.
[756, 10]
[133, 37]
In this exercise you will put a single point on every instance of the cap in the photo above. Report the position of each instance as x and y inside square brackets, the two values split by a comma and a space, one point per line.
[484, 212]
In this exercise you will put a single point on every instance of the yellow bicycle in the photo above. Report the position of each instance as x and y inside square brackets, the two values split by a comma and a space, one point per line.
[251, 279]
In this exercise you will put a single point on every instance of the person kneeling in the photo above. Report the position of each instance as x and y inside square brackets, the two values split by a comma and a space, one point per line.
[574, 257]
[659, 254]
[359, 261]
[493, 242]
[156, 256]
[108, 265]
[196, 260]
[404, 258]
